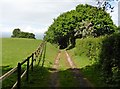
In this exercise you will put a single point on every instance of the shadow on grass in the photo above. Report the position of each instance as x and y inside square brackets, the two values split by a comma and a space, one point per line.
[40, 77]
[93, 73]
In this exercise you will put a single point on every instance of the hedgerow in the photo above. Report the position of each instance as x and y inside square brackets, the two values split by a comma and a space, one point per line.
[105, 51]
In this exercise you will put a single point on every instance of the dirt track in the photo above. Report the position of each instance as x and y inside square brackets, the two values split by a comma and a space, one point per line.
[54, 82]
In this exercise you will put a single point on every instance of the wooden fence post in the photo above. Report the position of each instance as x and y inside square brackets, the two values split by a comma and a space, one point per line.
[27, 74]
[32, 61]
[19, 76]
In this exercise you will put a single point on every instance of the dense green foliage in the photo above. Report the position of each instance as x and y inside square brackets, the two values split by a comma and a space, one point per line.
[90, 47]
[110, 59]
[18, 34]
[105, 51]
[82, 22]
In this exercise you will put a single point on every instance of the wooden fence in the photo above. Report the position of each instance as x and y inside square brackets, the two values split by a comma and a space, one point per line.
[30, 61]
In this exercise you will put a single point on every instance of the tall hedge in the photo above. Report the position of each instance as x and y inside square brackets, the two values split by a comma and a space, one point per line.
[106, 52]
[110, 59]
[90, 47]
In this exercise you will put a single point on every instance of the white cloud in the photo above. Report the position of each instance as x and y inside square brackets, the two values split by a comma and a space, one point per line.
[119, 13]
[34, 30]
[114, 14]
[7, 31]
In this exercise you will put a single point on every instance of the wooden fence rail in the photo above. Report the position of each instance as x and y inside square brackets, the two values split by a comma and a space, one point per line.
[8, 74]
[29, 62]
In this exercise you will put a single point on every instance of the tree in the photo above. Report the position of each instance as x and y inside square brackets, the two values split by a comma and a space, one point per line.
[84, 21]
[16, 32]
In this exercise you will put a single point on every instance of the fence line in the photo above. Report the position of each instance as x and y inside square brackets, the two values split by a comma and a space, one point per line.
[33, 57]
[8, 74]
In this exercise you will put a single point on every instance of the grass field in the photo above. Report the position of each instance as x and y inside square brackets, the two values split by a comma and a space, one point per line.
[15, 50]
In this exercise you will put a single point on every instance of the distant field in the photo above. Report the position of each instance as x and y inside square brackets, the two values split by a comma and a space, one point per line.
[15, 50]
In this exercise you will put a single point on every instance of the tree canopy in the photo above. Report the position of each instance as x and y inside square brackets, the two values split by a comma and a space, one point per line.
[17, 33]
[84, 21]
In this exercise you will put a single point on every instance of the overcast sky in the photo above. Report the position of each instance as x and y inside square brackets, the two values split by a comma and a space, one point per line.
[37, 15]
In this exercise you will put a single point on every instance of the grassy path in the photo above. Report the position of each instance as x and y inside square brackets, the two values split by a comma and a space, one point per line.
[65, 76]
[62, 73]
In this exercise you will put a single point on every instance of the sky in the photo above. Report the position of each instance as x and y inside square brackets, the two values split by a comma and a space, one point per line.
[119, 13]
[37, 15]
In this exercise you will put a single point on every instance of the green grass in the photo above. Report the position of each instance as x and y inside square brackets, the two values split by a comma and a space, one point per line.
[15, 50]
[80, 61]
[37, 78]
[51, 54]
